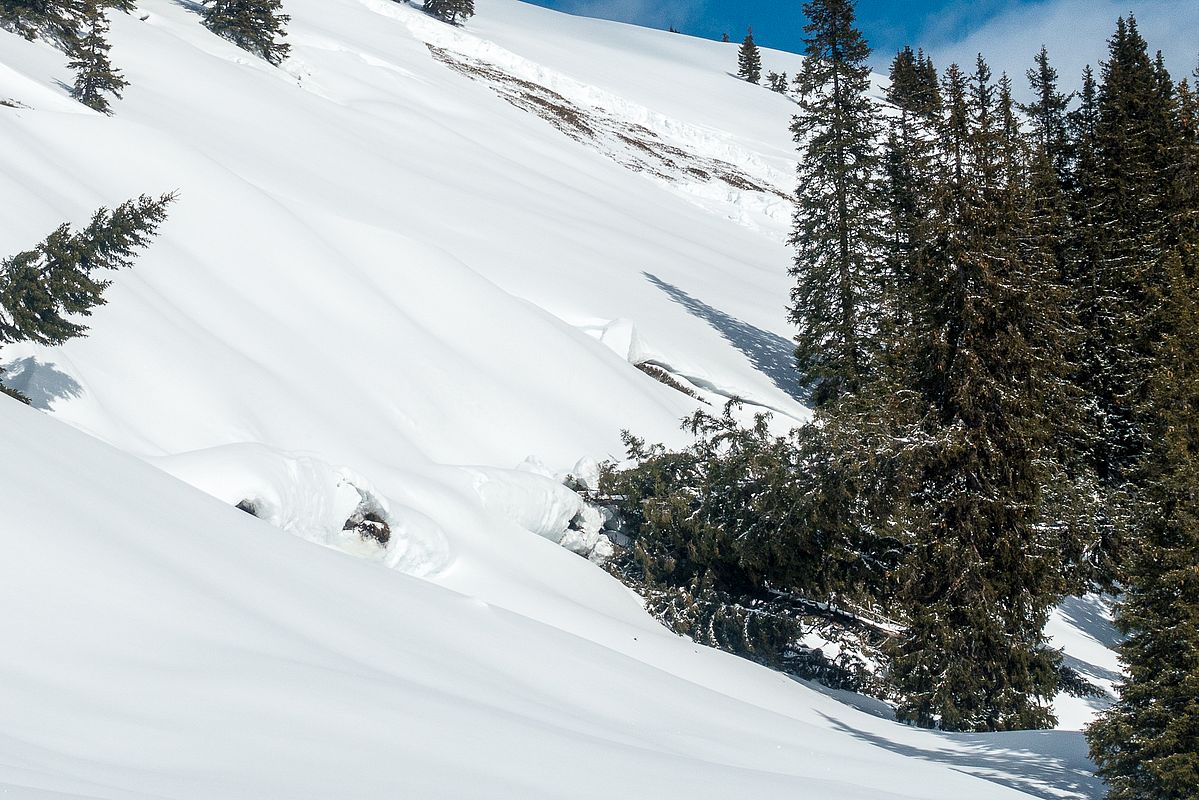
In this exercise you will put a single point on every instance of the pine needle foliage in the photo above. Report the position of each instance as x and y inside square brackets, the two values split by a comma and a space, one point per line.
[95, 76]
[1147, 745]
[985, 567]
[255, 26]
[44, 291]
[749, 59]
[739, 538]
[54, 20]
[839, 257]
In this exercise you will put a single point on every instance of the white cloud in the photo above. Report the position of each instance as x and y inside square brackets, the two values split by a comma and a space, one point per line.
[1075, 32]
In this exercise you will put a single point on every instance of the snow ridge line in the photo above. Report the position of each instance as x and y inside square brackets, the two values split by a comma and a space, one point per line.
[703, 141]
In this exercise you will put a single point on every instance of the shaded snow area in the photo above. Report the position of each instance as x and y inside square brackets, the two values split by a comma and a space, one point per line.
[292, 521]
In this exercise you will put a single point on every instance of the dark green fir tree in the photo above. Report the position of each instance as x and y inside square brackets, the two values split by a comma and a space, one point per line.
[914, 94]
[452, 11]
[55, 20]
[749, 59]
[253, 25]
[984, 568]
[836, 233]
[45, 291]
[1147, 745]
[95, 77]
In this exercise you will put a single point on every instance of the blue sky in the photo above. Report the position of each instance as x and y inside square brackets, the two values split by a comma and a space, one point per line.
[1008, 32]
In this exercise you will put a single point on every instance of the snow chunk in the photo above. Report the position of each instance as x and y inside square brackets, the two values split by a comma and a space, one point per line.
[311, 499]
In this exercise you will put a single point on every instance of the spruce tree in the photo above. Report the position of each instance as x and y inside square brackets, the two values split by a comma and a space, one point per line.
[749, 60]
[1132, 128]
[1047, 117]
[835, 301]
[94, 74]
[253, 25]
[455, 11]
[56, 20]
[914, 93]
[984, 567]
[1120, 146]
[777, 82]
[44, 291]
[1147, 745]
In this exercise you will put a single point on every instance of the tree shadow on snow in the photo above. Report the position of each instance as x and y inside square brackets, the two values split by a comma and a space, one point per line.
[40, 381]
[1089, 615]
[769, 353]
[193, 6]
[1046, 764]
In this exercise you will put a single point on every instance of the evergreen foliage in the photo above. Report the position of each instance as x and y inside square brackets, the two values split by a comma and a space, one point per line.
[739, 540]
[253, 25]
[749, 59]
[452, 11]
[43, 291]
[915, 94]
[836, 234]
[1147, 745]
[56, 20]
[985, 567]
[1047, 116]
[94, 73]
[1130, 147]
[777, 82]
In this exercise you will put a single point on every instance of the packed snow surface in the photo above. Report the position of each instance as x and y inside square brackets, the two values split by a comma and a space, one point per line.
[408, 275]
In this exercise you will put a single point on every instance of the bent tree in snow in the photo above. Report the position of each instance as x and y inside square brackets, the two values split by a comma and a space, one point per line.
[44, 291]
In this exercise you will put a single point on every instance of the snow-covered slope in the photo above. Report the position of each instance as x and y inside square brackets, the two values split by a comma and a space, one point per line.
[410, 273]
[159, 643]
[379, 264]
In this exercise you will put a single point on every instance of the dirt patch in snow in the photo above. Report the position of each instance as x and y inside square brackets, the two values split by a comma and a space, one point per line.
[629, 144]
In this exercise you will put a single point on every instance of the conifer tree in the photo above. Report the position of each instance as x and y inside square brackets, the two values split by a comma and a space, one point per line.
[56, 20]
[454, 11]
[94, 74]
[749, 60]
[836, 231]
[44, 291]
[1147, 744]
[984, 568]
[41, 289]
[1132, 128]
[914, 92]
[777, 82]
[1047, 112]
[253, 25]
[1120, 145]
